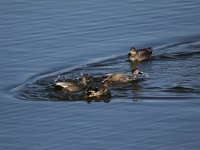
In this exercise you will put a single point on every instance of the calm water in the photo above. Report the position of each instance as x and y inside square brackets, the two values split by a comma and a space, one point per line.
[40, 40]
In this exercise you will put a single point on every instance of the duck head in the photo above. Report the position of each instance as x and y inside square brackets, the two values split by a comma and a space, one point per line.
[132, 51]
[149, 49]
[135, 72]
[85, 79]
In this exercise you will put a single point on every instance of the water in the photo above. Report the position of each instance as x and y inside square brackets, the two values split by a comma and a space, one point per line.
[40, 40]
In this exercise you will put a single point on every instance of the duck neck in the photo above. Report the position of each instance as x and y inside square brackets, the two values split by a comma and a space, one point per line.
[84, 81]
[134, 76]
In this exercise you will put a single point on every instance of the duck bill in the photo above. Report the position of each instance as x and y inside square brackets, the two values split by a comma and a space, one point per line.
[141, 72]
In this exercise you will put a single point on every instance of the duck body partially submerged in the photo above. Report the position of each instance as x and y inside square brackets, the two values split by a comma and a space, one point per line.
[140, 54]
[98, 91]
[72, 86]
[121, 77]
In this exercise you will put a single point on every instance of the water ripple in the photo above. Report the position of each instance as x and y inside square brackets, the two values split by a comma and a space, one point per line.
[41, 87]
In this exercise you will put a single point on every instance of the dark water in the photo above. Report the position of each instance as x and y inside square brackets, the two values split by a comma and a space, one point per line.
[40, 40]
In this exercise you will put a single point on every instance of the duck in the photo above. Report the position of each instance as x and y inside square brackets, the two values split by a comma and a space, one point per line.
[96, 92]
[72, 86]
[123, 78]
[140, 54]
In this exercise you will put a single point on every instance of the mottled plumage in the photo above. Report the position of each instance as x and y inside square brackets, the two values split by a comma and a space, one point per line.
[140, 54]
[104, 89]
[73, 86]
[121, 77]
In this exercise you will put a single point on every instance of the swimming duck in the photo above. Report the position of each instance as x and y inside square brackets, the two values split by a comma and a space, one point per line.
[123, 78]
[72, 86]
[97, 92]
[140, 54]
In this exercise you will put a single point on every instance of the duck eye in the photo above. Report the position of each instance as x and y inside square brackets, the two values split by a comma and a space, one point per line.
[132, 49]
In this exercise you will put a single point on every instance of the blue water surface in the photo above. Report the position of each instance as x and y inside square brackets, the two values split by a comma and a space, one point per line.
[41, 39]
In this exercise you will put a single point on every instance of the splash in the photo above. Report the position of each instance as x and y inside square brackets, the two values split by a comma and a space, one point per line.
[171, 65]
[145, 76]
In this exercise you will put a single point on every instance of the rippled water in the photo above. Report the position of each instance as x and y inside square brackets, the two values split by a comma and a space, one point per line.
[41, 40]
[173, 70]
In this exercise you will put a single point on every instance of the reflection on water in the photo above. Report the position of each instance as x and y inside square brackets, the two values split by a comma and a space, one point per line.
[172, 74]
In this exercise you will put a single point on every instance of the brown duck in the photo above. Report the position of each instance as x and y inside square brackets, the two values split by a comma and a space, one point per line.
[96, 92]
[123, 78]
[72, 86]
[140, 54]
